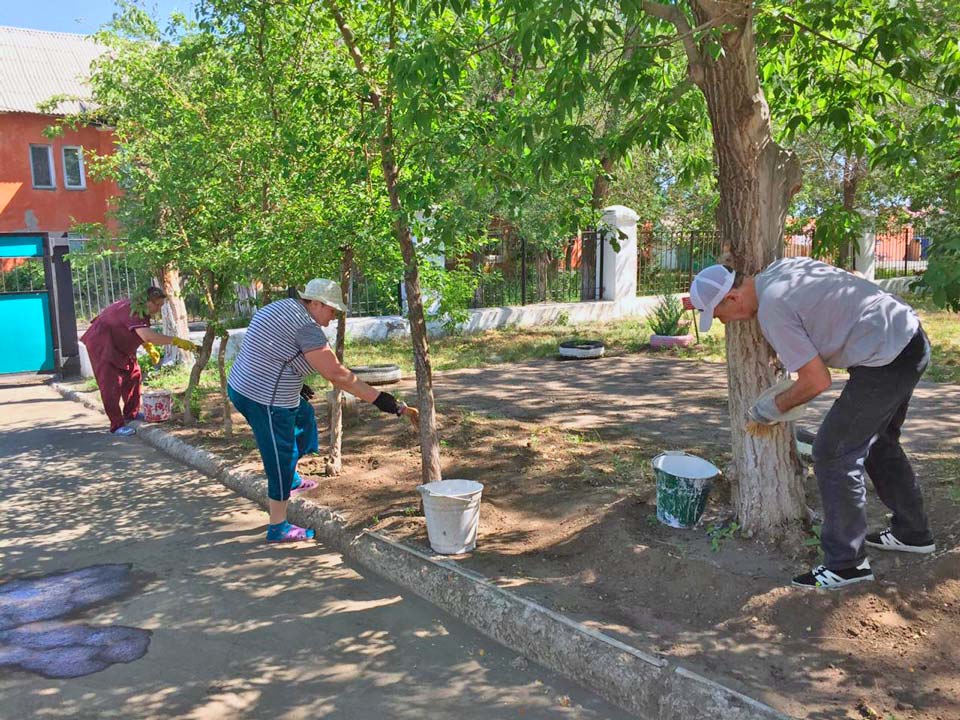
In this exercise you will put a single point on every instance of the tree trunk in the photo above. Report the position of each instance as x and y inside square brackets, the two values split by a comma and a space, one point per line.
[174, 316]
[429, 441]
[854, 171]
[222, 367]
[203, 357]
[757, 179]
[601, 183]
[211, 290]
[430, 470]
[334, 465]
[611, 123]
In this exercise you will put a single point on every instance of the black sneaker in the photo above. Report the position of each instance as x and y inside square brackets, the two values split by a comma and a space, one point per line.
[886, 540]
[823, 579]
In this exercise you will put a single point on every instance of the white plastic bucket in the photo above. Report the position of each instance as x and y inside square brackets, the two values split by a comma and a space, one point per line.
[157, 405]
[452, 509]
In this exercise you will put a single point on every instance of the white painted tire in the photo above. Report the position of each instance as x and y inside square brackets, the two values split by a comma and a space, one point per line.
[581, 349]
[377, 374]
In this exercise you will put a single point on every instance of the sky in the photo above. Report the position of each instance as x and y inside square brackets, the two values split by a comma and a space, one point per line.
[77, 16]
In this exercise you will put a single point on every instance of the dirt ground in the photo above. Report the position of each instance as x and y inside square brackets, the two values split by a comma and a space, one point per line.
[568, 518]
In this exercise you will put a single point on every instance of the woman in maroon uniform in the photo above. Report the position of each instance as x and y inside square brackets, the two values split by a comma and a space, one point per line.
[112, 341]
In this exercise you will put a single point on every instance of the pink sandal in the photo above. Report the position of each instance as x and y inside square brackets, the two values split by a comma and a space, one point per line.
[304, 486]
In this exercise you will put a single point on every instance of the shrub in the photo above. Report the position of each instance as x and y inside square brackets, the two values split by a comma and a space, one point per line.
[667, 317]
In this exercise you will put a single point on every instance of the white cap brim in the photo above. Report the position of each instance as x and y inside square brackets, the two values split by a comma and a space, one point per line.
[706, 320]
[326, 301]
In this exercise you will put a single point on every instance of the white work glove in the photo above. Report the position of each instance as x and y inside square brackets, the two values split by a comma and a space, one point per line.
[765, 410]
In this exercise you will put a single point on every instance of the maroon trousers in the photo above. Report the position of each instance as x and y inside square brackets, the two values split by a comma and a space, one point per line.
[119, 384]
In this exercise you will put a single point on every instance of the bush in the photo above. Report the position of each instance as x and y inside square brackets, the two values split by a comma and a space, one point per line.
[667, 317]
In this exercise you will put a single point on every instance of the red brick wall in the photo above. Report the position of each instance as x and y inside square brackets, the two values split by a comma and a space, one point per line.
[22, 207]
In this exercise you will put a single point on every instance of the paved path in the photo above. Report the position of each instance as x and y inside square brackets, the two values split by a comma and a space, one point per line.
[239, 629]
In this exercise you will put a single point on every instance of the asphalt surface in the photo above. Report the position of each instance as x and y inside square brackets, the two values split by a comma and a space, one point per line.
[234, 628]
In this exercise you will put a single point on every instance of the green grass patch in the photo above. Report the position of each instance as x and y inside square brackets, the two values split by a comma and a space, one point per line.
[515, 344]
[522, 344]
[176, 377]
[943, 328]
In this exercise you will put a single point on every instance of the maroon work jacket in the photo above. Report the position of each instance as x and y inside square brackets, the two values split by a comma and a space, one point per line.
[112, 336]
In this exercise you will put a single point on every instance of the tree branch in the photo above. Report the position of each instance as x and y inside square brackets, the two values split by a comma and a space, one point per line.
[674, 15]
[843, 46]
[351, 42]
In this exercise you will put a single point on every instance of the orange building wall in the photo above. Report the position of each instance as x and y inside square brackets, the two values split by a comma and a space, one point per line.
[55, 211]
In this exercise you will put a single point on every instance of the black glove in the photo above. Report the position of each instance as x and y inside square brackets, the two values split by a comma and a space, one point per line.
[307, 392]
[388, 404]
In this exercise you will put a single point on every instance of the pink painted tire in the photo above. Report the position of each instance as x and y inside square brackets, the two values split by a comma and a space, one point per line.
[668, 341]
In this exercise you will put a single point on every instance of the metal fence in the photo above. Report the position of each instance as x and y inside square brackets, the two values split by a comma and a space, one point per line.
[22, 275]
[513, 272]
[667, 260]
[900, 253]
[99, 282]
[369, 298]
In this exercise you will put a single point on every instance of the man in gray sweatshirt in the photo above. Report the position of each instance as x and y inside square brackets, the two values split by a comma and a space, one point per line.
[816, 316]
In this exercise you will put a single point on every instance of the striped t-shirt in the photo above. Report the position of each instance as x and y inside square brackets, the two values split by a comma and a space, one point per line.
[270, 367]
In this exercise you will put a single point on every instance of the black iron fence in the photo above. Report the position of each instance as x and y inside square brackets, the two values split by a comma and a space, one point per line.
[514, 272]
[667, 260]
[900, 253]
[370, 298]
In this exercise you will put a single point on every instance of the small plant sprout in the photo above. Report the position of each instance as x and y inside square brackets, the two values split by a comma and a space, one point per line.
[720, 533]
[814, 539]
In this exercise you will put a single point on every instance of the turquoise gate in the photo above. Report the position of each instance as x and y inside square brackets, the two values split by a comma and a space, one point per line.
[26, 317]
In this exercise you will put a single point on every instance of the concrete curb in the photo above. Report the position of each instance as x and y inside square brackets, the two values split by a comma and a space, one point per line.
[651, 687]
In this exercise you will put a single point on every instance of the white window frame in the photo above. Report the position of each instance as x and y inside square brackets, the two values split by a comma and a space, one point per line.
[83, 172]
[53, 170]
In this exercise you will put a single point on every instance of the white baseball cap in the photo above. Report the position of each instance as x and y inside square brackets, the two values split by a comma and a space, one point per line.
[708, 289]
[326, 291]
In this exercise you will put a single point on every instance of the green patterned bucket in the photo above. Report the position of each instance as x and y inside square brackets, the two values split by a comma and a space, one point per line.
[683, 484]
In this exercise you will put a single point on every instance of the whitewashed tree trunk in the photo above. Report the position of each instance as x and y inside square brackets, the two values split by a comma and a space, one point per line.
[757, 179]
[174, 316]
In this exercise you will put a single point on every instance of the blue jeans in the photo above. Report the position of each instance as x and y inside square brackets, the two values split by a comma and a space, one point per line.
[283, 436]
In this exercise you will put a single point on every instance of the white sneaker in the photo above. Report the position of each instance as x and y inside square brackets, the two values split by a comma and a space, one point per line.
[886, 540]
[820, 578]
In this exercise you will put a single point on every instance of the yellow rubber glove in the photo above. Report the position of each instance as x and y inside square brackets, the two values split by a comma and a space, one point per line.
[152, 352]
[185, 344]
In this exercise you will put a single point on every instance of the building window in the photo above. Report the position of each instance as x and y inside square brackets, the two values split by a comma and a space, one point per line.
[73, 175]
[41, 166]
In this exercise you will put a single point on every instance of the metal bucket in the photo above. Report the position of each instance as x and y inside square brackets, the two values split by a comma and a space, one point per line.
[683, 485]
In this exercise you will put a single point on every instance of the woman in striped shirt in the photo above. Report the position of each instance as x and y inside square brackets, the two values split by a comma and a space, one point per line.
[284, 343]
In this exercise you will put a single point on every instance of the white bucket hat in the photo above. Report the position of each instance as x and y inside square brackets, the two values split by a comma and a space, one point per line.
[326, 291]
[708, 289]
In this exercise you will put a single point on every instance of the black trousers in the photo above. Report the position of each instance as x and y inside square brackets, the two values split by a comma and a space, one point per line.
[862, 432]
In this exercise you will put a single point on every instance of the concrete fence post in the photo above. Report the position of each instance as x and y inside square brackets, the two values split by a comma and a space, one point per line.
[865, 262]
[620, 267]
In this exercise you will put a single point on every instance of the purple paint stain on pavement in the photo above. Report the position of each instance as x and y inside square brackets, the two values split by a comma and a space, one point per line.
[33, 636]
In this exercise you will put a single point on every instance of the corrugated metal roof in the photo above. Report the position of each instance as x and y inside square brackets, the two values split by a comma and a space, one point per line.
[36, 65]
